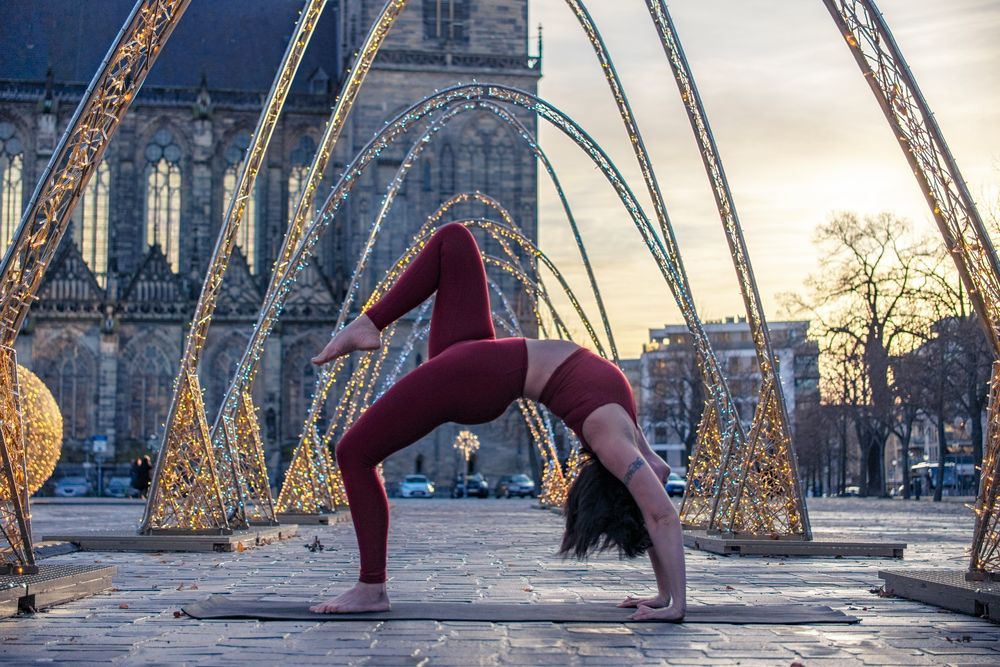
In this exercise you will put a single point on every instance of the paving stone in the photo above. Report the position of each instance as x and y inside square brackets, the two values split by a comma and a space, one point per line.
[505, 551]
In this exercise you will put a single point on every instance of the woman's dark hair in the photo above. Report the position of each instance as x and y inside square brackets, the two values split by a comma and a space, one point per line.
[601, 515]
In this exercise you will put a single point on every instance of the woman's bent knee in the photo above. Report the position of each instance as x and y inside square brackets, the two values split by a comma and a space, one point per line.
[349, 454]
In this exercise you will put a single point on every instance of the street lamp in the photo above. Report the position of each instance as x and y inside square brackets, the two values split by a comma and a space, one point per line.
[466, 443]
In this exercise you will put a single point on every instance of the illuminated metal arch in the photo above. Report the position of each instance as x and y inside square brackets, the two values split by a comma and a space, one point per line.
[280, 284]
[768, 454]
[968, 242]
[189, 455]
[248, 366]
[720, 424]
[508, 95]
[720, 497]
[46, 218]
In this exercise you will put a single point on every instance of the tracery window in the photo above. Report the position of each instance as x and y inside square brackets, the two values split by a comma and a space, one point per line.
[11, 183]
[446, 20]
[148, 391]
[447, 167]
[246, 237]
[298, 172]
[299, 382]
[69, 370]
[91, 230]
[163, 196]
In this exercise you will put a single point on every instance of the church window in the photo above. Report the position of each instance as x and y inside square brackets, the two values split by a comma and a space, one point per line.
[69, 371]
[298, 173]
[246, 237]
[11, 182]
[425, 177]
[447, 167]
[447, 20]
[91, 230]
[163, 196]
[148, 390]
[299, 382]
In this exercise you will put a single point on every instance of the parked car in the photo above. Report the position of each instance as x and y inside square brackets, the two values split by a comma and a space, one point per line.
[676, 485]
[514, 485]
[477, 486]
[120, 487]
[851, 491]
[70, 487]
[416, 486]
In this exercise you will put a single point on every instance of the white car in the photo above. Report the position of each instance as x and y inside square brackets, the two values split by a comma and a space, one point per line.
[71, 487]
[416, 486]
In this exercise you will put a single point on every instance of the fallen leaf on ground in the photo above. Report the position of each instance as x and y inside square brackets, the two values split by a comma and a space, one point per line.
[123, 605]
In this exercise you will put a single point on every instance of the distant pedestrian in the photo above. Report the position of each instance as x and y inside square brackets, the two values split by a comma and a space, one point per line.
[134, 473]
[145, 475]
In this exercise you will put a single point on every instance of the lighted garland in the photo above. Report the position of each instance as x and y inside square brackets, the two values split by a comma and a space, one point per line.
[43, 428]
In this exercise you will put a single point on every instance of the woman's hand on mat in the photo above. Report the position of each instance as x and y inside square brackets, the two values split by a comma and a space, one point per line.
[670, 613]
[632, 602]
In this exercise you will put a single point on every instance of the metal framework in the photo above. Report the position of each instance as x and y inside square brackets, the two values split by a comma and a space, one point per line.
[450, 101]
[709, 478]
[191, 459]
[46, 219]
[664, 258]
[891, 80]
[224, 435]
[762, 490]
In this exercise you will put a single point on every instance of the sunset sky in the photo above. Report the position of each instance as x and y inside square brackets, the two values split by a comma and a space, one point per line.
[799, 131]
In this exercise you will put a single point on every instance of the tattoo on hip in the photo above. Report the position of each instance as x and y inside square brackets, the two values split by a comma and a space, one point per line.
[632, 469]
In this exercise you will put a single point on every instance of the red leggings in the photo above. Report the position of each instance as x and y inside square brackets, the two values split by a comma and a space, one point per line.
[470, 378]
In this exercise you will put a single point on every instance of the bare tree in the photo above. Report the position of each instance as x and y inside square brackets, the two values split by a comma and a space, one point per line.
[908, 377]
[864, 300]
[968, 350]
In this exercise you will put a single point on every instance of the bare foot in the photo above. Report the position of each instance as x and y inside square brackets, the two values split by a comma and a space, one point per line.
[632, 602]
[671, 614]
[361, 334]
[363, 597]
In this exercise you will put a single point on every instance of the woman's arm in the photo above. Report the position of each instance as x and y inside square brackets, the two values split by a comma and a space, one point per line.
[664, 527]
[660, 467]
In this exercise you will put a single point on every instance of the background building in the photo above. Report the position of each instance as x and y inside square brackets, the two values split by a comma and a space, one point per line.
[671, 395]
[108, 330]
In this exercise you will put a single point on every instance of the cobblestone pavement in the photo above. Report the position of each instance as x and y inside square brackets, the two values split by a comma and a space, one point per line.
[503, 550]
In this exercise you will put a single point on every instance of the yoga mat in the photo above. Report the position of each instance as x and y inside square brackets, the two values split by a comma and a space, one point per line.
[284, 609]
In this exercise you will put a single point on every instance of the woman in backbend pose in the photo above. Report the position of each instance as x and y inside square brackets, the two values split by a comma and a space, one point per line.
[470, 377]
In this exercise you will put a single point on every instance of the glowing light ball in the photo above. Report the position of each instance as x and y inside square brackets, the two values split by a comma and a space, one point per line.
[43, 428]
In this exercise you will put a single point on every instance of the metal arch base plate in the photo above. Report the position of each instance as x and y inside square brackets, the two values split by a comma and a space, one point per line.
[947, 589]
[238, 540]
[53, 584]
[828, 546]
[320, 518]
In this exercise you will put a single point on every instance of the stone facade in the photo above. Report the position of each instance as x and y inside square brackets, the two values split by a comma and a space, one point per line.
[106, 338]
